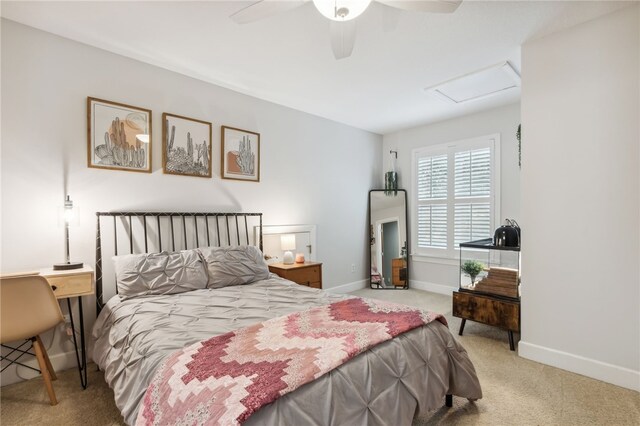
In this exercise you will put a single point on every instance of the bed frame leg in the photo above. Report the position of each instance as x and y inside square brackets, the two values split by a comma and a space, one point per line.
[448, 401]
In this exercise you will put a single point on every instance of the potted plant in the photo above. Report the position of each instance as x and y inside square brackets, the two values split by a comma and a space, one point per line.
[472, 268]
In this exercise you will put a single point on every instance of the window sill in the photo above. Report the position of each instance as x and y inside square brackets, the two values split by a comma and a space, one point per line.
[442, 260]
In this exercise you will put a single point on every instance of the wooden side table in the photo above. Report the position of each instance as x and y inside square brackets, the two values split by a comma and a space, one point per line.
[308, 273]
[66, 285]
[497, 311]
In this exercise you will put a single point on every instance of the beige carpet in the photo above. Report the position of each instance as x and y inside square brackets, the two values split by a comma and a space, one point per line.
[516, 391]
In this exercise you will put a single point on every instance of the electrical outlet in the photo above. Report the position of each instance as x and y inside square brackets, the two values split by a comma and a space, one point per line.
[353, 268]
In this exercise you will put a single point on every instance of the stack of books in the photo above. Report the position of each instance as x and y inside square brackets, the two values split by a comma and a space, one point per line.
[500, 281]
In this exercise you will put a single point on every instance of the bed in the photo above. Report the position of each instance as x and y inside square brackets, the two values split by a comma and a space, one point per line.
[389, 383]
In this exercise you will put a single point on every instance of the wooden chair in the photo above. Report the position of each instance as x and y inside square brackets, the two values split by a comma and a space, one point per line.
[28, 308]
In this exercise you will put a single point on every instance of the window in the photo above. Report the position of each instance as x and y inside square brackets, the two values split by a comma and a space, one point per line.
[456, 194]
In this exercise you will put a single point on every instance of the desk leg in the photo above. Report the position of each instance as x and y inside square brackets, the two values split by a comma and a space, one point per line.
[82, 363]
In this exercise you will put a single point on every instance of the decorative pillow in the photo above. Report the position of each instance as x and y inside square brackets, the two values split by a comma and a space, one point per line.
[159, 273]
[238, 265]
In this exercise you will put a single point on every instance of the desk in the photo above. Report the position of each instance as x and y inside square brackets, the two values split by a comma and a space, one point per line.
[66, 285]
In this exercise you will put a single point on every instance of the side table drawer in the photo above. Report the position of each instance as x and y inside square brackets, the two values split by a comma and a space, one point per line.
[304, 276]
[486, 310]
[307, 274]
[316, 284]
[64, 286]
[398, 272]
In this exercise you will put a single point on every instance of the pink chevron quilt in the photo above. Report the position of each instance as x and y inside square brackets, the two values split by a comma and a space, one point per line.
[225, 379]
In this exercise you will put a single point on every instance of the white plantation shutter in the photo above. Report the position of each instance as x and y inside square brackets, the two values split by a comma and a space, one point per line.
[432, 191]
[473, 173]
[455, 194]
[432, 178]
[471, 222]
[432, 226]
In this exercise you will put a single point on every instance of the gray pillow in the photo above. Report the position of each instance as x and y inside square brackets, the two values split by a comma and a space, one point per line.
[159, 273]
[238, 265]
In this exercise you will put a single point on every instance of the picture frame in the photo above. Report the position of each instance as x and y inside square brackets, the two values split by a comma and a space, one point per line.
[240, 154]
[186, 146]
[119, 136]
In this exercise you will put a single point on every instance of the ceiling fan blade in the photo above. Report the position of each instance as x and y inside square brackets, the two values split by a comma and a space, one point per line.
[343, 37]
[263, 9]
[433, 6]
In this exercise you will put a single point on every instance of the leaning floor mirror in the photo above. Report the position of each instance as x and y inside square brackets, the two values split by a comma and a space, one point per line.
[388, 237]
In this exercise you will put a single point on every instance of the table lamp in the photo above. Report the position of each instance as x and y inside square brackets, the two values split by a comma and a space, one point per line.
[288, 243]
[68, 215]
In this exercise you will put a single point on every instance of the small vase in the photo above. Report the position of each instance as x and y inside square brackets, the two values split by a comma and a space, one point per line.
[473, 281]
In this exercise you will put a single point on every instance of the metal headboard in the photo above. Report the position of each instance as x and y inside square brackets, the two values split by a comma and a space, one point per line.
[193, 225]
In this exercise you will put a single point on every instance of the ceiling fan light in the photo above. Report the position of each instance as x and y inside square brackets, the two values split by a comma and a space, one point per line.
[341, 10]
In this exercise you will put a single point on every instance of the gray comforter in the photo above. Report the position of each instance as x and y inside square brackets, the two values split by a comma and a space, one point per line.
[386, 385]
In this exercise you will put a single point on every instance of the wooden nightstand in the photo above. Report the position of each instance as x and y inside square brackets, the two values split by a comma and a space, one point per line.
[66, 285]
[308, 273]
[399, 272]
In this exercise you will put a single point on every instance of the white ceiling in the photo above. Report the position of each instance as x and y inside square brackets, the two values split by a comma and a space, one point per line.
[287, 58]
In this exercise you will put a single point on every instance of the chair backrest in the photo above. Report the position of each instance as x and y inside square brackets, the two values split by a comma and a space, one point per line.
[28, 307]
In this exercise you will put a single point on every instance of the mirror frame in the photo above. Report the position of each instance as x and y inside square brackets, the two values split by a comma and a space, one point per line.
[369, 225]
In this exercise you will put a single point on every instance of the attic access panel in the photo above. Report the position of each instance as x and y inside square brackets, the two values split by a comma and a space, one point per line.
[478, 84]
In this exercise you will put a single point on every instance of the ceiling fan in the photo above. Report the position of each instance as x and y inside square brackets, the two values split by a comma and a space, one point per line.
[341, 13]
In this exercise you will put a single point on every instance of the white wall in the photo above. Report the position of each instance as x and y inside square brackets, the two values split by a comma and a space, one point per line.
[580, 199]
[441, 275]
[313, 171]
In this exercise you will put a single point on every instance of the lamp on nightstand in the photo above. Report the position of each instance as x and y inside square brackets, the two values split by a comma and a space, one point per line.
[288, 243]
[68, 215]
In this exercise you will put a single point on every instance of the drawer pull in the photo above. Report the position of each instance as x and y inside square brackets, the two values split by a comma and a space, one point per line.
[54, 288]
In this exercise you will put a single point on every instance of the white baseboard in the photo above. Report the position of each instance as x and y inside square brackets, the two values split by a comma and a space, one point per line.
[349, 287]
[609, 373]
[432, 287]
[17, 373]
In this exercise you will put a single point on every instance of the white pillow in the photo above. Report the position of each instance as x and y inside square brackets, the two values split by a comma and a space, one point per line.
[237, 265]
[159, 273]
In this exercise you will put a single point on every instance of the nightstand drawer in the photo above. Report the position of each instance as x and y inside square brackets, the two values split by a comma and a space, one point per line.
[309, 273]
[398, 272]
[71, 285]
[304, 275]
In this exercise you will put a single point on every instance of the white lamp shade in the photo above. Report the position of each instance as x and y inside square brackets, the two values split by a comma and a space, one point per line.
[341, 10]
[288, 242]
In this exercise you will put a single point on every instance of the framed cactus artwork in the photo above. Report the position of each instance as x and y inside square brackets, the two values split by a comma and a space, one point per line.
[240, 154]
[119, 136]
[186, 146]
